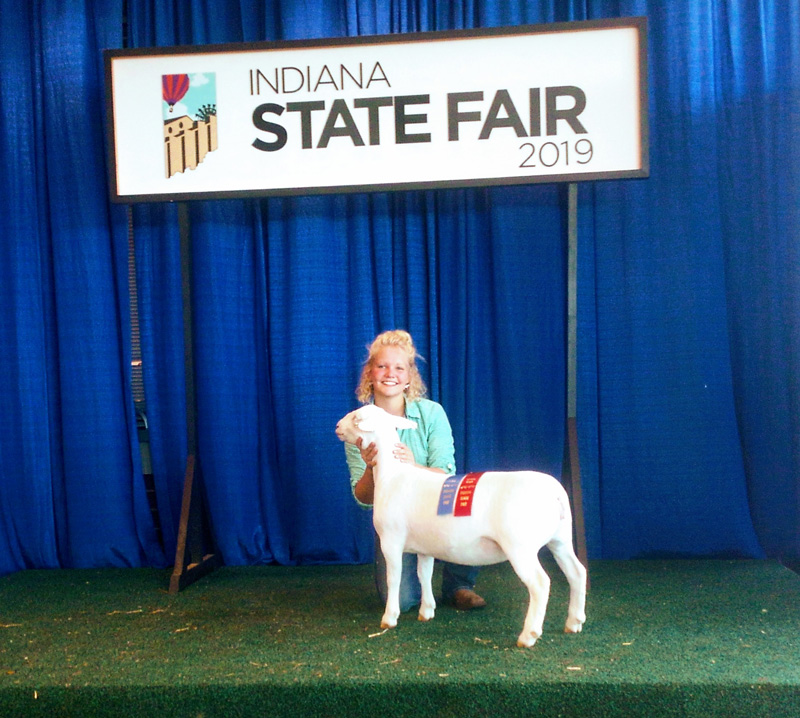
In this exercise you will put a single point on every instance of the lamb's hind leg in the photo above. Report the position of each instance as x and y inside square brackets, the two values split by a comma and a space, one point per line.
[575, 572]
[537, 582]
[427, 605]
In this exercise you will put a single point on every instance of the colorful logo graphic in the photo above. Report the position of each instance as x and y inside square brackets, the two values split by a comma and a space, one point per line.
[190, 119]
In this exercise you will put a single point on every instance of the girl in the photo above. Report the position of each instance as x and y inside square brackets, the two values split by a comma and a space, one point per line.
[390, 379]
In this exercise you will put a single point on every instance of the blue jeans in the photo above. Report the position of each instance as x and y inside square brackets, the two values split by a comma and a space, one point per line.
[454, 576]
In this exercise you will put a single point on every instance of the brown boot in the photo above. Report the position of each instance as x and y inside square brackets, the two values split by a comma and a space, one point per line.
[465, 599]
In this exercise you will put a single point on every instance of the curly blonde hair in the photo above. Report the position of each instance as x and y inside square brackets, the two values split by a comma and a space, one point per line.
[402, 340]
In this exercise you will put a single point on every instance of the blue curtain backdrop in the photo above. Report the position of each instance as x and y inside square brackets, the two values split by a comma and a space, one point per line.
[689, 303]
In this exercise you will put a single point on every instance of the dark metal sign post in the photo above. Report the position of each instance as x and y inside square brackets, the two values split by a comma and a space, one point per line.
[572, 466]
[194, 554]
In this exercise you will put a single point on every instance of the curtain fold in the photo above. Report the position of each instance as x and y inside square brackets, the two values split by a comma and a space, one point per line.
[689, 303]
[758, 135]
[29, 460]
[72, 493]
[665, 393]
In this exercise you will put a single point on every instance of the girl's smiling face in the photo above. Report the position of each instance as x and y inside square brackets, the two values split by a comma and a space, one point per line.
[389, 373]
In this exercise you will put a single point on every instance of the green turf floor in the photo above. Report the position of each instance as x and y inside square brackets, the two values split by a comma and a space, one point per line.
[674, 638]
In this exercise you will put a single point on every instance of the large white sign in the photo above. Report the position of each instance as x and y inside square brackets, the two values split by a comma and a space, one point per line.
[547, 103]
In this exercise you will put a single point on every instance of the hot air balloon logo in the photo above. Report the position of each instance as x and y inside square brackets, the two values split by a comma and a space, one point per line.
[173, 88]
[190, 120]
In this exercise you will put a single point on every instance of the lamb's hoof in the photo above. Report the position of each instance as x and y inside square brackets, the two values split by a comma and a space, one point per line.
[426, 610]
[573, 627]
[388, 623]
[527, 641]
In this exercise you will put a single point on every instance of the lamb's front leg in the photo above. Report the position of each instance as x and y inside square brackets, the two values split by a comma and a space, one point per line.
[425, 574]
[393, 557]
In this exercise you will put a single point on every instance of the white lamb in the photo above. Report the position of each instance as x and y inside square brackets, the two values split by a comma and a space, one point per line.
[513, 514]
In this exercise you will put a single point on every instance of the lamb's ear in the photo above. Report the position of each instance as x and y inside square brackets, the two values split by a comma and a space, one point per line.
[364, 424]
[402, 423]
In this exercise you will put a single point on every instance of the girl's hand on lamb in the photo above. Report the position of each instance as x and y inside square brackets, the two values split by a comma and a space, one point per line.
[402, 452]
[369, 454]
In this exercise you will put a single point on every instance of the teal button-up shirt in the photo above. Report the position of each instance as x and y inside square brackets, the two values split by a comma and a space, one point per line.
[431, 442]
